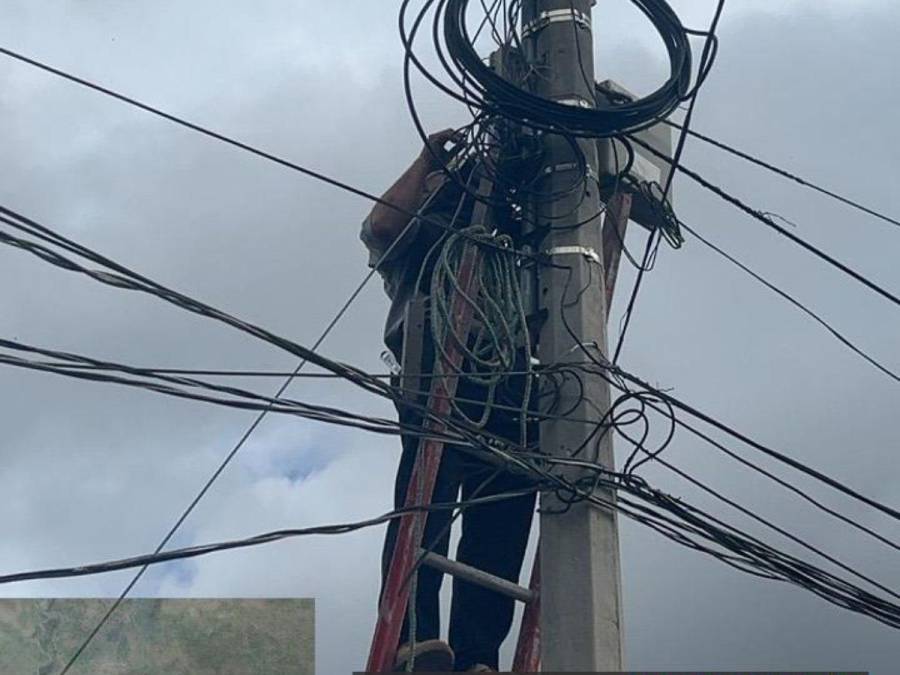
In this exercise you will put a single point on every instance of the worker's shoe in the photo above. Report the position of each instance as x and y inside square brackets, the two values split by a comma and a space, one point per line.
[431, 656]
[481, 668]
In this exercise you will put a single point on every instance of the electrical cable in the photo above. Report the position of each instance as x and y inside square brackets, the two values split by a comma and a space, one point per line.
[784, 232]
[491, 92]
[689, 526]
[210, 133]
[752, 555]
[357, 375]
[787, 174]
[352, 375]
[231, 454]
[771, 452]
[796, 303]
[706, 63]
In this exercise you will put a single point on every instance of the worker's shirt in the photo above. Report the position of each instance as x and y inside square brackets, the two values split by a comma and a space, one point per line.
[399, 263]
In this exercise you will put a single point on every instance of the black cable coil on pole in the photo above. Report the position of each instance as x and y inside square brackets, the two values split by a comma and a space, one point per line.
[498, 95]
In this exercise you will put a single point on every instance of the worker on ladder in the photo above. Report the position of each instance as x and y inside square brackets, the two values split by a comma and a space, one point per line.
[494, 533]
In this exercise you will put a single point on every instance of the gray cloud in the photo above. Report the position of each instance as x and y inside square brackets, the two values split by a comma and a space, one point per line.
[95, 472]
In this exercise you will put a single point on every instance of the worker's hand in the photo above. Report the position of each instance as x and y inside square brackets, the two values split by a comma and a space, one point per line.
[439, 154]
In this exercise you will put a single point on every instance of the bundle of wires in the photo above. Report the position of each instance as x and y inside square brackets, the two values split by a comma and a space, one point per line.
[486, 89]
[500, 101]
[498, 312]
[674, 518]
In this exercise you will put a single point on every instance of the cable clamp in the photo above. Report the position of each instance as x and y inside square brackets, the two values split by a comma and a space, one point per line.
[593, 344]
[569, 166]
[544, 19]
[589, 253]
[577, 101]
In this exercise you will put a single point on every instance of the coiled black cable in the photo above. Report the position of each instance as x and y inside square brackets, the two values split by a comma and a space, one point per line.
[490, 91]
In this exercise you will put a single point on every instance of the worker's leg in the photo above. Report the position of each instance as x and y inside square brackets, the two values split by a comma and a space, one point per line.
[494, 537]
[429, 581]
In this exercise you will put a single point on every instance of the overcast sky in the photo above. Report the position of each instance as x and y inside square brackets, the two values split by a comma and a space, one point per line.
[94, 472]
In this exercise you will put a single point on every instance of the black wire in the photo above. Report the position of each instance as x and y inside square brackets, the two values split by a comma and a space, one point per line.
[492, 92]
[223, 138]
[157, 557]
[774, 454]
[195, 372]
[706, 63]
[747, 512]
[667, 411]
[617, 377]
[803, 308]
[686, 525]
[766, 220]
[85, 368]
[783, 483]
[787, 174]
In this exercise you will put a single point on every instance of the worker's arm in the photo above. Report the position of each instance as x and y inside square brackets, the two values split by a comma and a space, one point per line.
[408, 192]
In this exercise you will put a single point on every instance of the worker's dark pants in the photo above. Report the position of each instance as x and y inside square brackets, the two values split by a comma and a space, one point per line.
[494, 536]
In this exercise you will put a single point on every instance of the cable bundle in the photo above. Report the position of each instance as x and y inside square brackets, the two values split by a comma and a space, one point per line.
[498, 313]
[492, 92]
[674, 518]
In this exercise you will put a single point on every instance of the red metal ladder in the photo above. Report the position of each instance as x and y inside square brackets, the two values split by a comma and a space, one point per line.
[407, 548]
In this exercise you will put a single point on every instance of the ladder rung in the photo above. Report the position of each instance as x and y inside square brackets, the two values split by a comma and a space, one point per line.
[477, 577]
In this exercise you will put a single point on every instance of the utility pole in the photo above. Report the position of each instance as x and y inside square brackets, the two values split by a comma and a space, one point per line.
[581, 612]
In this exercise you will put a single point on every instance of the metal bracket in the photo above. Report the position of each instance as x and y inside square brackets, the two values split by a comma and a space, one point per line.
[589, 253]
[555, 16]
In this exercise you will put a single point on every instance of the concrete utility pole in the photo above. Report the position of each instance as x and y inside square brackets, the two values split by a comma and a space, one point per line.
[581, 612]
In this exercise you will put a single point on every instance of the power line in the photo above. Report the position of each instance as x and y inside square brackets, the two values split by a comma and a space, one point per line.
[799, 305]
[385, 426]
[193, 126]
[706, 63]
[764, 521]
[183, 387]
[767, 220]
[787, 174]
[671, 517]
[157, 557]
[776, 567]
[771, 452]
[235, 143]
[363, 380]
[125, 278]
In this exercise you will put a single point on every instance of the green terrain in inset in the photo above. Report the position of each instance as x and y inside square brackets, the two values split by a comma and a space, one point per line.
[158, 636]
